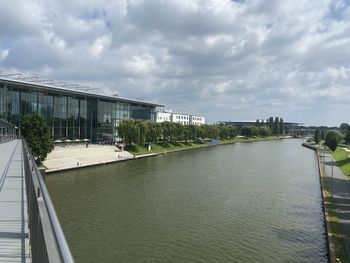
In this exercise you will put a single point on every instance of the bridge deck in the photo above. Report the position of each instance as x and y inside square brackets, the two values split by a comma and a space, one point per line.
[14, 241]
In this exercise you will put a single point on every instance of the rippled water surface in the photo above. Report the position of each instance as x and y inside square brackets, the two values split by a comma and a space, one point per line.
[247, 202]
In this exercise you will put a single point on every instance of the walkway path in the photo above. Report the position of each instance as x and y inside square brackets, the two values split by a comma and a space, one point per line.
[14, 242]
[340, 189]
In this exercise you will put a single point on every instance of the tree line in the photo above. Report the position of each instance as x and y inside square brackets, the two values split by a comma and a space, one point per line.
[142, 132]
[272, 126]
[332, 138]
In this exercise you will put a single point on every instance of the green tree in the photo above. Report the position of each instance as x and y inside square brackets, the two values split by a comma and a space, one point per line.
[281, 127]
[317, 136]
[276, 126]
[36, 132]
[333, 139]
[323, 135]
[265, 131]
[344, 127]
[270, 122]
[347, 137]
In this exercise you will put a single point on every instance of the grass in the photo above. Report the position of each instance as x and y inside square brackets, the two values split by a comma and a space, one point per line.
[342, 158]
[166, 147]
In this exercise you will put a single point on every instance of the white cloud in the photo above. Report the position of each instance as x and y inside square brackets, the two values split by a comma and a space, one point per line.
[4, 53]
[220, 58]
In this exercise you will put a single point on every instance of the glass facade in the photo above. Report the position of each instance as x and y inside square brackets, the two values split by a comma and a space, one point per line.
[69, 114]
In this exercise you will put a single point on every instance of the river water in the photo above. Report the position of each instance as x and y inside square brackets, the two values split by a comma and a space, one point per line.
[244, 202]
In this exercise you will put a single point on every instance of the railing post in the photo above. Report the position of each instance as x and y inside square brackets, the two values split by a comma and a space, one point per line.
[47, 240]
[42, 171]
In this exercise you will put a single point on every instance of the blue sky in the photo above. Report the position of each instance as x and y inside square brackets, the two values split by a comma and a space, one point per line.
[225, 60]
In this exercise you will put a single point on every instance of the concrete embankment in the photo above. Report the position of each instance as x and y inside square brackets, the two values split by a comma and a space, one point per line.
[330, 242]
[80, 156]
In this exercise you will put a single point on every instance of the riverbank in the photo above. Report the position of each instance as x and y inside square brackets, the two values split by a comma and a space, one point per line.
[75, 157]
[341, 156]
[336, 246]
[168, 147]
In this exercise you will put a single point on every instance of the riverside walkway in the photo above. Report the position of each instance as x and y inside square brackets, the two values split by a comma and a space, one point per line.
[14, 241]
[340, 188]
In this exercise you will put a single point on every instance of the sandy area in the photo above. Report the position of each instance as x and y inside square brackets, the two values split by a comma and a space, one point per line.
[74, 156]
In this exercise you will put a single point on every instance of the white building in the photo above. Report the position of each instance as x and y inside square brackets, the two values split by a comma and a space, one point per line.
[184, 119]
[197, 120]
[163, 116]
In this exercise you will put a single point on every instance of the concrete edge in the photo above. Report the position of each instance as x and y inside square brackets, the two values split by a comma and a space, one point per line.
[329, 239]
[99, 163]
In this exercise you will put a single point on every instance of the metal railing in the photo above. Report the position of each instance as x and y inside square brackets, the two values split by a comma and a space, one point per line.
[47, 241]
[7, 131]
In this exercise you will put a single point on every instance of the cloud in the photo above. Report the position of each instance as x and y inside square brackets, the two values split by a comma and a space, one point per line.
[227, 60]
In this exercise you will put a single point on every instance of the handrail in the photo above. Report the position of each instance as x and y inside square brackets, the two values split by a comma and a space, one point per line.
[7, 131]
[51, 231]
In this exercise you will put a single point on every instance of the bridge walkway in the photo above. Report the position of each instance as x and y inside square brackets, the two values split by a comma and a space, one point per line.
[14, 241]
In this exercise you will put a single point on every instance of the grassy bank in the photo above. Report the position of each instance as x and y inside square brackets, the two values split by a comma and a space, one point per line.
[167, 147]
[343, 160]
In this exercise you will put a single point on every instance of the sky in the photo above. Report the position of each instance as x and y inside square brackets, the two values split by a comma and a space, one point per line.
[225, 60]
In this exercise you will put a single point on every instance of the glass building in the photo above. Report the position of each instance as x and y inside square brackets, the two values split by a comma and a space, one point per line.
[70, 114]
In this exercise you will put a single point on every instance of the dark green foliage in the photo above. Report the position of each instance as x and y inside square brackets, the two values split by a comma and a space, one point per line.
[265, 131]
[344, 127]
[333, 138]
[347, 137]
[253, 131]
[227, 131]
[142, 132]
[323, 134]
[35, 131]
[276, 126]
[317, 136]
[281, 127]
[270, 122]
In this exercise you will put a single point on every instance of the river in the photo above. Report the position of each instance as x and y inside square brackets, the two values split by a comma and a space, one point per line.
[243, 202]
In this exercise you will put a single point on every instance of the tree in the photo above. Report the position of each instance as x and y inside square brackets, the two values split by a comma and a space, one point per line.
[347, 137]
[265, 131]
[276, 126]
[36, 132]
[317, 136]
[270, 122]
[332, 140]
[323, 136]
[344, 127]
[281, 128]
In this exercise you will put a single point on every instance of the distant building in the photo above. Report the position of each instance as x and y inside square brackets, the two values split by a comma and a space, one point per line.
[181, 118]
[163, 116]
[289, 126]
[197, 120]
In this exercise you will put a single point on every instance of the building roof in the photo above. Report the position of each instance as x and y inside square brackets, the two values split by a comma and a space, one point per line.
[64, 87]
[171, 112]
[253, 122]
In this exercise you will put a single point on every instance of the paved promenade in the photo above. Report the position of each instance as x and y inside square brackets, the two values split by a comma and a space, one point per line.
[341, 197]
[14, 242]
[74, 156]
